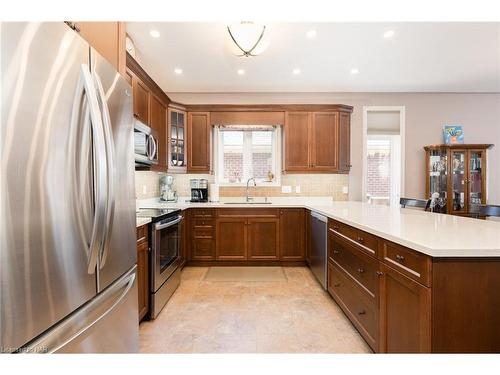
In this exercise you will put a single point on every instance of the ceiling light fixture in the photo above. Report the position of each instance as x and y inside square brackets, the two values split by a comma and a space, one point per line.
[296, 71]
[154, 33]
[241, 72]
[311, 34]
[178, 71]
[389, 34]
[354, 71]
[248, 38]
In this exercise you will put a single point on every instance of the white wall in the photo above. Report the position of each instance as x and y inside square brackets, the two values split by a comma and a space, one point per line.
[426, 113]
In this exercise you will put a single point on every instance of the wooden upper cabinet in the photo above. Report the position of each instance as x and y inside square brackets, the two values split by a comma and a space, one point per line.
[297, 141]
[141, 100]
[158, 121]
[198, 146]
[108, 38]
[317, 142]
[325, 140]
[344, 149]
[292, 234]
[405, 314]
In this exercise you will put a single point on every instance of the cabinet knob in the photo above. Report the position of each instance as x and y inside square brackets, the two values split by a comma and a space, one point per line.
[361, 270]
[400, 258]
[336, 285]
[335, 228]
[360, 239]
[362, 312]
[336, 251]
[379, 273]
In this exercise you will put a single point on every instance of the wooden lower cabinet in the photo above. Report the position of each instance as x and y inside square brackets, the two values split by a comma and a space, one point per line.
[231, 239]
[143, 271]
[405, 314]
[292, 234]
[263, 239]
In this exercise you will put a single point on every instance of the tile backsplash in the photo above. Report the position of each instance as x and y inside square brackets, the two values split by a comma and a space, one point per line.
[332, 185]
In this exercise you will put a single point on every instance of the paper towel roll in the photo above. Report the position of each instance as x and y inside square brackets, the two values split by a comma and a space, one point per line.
[214, 192]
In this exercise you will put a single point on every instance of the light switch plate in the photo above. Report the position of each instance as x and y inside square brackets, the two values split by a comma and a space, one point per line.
[297, 189]
[345, 189]
[286, 189]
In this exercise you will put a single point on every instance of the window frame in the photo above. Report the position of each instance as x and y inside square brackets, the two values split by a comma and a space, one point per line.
[219, 158]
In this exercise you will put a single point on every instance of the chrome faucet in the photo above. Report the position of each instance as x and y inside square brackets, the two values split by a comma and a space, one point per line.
[254, 184]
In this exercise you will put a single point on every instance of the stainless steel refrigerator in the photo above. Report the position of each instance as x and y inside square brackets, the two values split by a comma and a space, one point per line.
[67, 196]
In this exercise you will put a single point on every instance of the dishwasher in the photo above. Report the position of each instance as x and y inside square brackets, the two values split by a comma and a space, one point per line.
[318, 254]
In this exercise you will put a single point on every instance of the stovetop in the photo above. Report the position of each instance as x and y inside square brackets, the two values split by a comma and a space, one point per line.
[157, 214]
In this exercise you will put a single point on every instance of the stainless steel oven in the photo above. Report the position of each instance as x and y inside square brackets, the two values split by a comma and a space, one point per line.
[145, 144]
[166, 244]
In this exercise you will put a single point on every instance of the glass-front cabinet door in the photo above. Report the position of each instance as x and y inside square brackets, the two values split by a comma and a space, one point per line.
[438, 177]
[177, 152]
[475, 180]
[458, 181]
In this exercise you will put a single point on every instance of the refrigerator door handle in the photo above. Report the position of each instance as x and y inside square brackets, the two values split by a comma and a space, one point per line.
[85, 86]
[83, 319]
[110, 162]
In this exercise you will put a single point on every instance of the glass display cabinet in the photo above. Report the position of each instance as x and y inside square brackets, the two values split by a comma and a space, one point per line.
[458, 174]
[177, 140]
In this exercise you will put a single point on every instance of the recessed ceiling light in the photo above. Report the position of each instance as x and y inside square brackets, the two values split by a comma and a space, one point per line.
[178, 71]
[311, 33]
[354, 71]
[154, 33]
[296, 71]
[241, 72]
[389, 34]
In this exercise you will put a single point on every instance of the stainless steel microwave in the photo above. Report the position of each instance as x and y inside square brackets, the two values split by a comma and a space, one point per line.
[145, 144]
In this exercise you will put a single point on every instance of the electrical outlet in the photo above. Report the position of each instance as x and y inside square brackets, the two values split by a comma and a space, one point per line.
[345, 189]
[297, 189]
[144, 189]
[286, 189]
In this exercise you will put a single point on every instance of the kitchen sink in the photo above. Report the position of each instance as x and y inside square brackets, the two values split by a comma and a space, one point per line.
[266, 202]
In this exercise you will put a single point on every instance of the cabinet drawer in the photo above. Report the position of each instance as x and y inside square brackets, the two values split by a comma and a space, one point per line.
[197, 222]
[142, 234]
[356, 264]
[202, 212]
[411, 263]
[356, 305]
[204, 232]
[248, 212]
[365, 241]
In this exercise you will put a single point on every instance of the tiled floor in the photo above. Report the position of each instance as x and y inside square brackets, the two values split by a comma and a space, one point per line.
[295, 316]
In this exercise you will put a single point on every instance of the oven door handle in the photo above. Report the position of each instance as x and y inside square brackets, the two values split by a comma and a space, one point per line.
[169, 224]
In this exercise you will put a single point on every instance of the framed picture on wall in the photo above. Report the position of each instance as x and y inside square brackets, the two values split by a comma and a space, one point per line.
[453, 134]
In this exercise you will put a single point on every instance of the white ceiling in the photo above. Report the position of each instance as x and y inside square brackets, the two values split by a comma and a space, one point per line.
[421, 57]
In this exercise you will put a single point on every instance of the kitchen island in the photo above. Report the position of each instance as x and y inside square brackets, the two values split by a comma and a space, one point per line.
[409, 281]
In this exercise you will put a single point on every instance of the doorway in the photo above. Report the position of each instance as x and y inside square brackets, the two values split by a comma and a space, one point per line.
[383, 154]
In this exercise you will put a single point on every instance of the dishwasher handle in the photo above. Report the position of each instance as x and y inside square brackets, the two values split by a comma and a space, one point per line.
[322, 218]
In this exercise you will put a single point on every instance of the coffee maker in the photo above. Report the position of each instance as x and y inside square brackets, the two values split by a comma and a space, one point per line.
[199, 190]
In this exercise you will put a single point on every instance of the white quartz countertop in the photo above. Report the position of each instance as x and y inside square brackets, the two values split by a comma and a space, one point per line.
[430, 233]
[140, 221]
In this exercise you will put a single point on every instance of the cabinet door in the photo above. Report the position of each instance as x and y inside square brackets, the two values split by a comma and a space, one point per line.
[203, 249]
[476, 179]
[176, 131]
[158, 121]
[198, 133]
[108, 38]
[142, 278]
[325, 141]
[231, 239]
[263, 239]
[292, 234]
[297, 141]
[344, 149]
[458, 185]
[405, 314]
[141, 100]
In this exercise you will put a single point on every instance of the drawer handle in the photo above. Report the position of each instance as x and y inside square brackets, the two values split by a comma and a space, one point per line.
[362, 312]
[380, 273]
[336, 228]
[361, 270]
[400, 258]
[336, 285]
[361, 239]
[336, 251]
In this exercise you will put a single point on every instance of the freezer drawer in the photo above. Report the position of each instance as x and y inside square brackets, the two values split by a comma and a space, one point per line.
[107, 324]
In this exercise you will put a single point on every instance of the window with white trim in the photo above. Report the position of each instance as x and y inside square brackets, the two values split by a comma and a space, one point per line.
[246, 151]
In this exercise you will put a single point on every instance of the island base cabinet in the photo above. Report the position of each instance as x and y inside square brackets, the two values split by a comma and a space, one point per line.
[405, 314]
